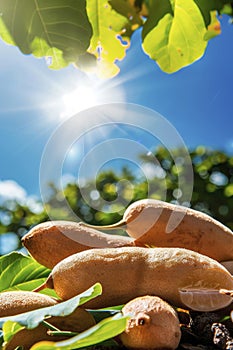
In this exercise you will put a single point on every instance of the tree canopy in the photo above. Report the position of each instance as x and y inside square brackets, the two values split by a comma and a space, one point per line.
[95, 34]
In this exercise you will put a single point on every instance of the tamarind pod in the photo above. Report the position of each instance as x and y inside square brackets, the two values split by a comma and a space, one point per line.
[52, 241]
[155, 223]
[153, 324]
[17, 302]
[129, 272]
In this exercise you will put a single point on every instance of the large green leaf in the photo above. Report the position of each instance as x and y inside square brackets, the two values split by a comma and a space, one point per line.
[105, 329]
[58, 29]
[106, 44]
[20, 272]
[174, 33]
[32, 319]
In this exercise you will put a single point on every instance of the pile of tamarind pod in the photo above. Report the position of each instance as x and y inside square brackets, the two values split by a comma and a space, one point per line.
[171, 252]
[191, 246]
[147, 222]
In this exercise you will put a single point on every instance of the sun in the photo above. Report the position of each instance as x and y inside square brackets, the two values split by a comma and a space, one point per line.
[89, 93]
[83, 97]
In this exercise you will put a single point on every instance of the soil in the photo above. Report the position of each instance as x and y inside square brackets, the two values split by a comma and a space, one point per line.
[206, 330]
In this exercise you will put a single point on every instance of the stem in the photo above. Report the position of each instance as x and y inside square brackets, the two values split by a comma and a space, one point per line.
[54, 331]
[41, 287]
[47, 284]
[50, 326]
[120, 224]
[62, 333]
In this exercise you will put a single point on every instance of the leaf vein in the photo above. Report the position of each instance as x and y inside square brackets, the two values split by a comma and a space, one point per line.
[13, 17]
[63, 7]
[44, 27]
[63, 36]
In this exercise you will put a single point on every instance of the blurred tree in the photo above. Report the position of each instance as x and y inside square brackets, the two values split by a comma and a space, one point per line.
[213, 181]
[103, 200]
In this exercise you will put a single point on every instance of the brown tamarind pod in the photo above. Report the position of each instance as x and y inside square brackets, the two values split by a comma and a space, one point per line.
[159, 224]
[52, 241]
[180, 276]
[18, 302]
[153, 324]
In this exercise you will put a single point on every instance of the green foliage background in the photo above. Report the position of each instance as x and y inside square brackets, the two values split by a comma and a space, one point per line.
[212, 193]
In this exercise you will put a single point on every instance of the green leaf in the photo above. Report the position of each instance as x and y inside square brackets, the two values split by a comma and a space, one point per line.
[33, 318]
[106, 329]
[100, 314]
[125, 8]
[58, 29]
[106, 44]
[10, 328]
[20, 272]
[174, 33]
[214, 28]
[206, 7]
[227, 10]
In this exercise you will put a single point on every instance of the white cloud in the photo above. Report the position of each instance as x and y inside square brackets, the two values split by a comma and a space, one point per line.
[11, 190]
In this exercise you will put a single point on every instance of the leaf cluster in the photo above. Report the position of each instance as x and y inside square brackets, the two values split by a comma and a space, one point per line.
[95, 34]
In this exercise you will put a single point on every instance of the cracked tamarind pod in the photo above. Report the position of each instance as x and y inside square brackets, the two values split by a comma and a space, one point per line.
[159, 224]
[17, 302]
[181, 277]
[52, 241]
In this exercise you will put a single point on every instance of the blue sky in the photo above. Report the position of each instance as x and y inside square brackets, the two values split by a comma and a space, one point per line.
[197, 101]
